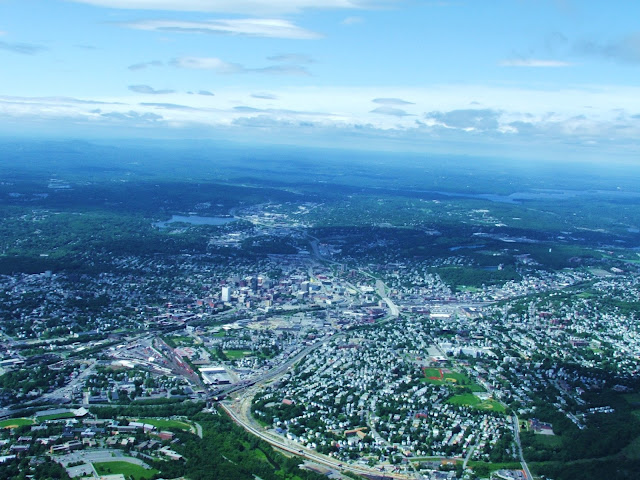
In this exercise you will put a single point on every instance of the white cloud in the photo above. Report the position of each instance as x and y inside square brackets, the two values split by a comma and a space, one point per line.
[264, 96]
[391, 101]
[236, 6]
[147, 90]
[352, 20]
[607, 115]
[22, 48]
[208, 63]
[394, 112]
[252, 27]
[145, 65]
[299, 58]
[625, 50]
[222, 67]
[536, 63]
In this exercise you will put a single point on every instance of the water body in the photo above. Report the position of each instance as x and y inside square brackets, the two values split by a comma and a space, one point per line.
[541, 194]
[460, 247]
[195, 220]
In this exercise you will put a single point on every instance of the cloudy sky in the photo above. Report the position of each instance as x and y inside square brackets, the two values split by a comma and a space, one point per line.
[461, 75]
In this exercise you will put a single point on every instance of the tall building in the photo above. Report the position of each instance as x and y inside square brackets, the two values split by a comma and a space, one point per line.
[226, 294]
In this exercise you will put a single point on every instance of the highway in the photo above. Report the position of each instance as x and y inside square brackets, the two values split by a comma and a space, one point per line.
[241, 415]
[309, 454]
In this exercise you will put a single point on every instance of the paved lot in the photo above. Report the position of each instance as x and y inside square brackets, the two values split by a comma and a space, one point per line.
[93, 456]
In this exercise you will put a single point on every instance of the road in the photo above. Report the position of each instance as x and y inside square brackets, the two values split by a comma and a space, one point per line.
[468, 457]
[300, 451]
[525, 468]
[66, 392]
[275, 372]
[240, 412]
[381, 290]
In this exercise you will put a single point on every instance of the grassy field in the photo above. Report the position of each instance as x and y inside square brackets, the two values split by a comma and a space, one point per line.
[633, 449]
[56, 417]
[469, 399]
[632, 398]
[166, 423]
[16, 422]
[125, 468]
[432, 372]
[497, 466]
[237, 354]
[548, 441]
[183, 341]
[442, 376]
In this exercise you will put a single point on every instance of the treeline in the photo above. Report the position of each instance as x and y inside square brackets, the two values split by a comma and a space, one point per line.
[227, 451]
[155, 408]
[21, 469]
[619, 468]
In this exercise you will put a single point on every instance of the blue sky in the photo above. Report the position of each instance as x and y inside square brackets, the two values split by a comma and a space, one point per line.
[534, 76]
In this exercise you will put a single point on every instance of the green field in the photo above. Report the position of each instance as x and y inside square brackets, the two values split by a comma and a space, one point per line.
[633, 449]
[632, 398]
[492, 467]
[164, 423]
[471, 400]
[56, 417]
[16, 422]
[237, 354]
[432, 375]
[453, 378]
[125, 468]
[431, 372]
[183, 340]
[548, 441]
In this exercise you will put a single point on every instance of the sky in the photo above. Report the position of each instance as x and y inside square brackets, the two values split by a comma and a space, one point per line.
[528, 77]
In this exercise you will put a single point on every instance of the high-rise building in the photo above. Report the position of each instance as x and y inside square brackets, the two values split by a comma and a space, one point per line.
[226, 294]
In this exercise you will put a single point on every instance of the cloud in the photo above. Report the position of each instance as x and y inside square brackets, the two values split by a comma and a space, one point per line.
[146, 89]
[139, 117]
[144, 65]
[237, 6]
[55, 100]
[298, 58]
[261, 121]
[467, 119]
[626, 50]
[22, 48]
[264, 96]
[395, 112]
[281, 70]
[252, 27]
[208, 63]
[206, 93]
[555, 42]
[168, 106]
[526, 119]
[532, 62]
[391, 101]
[352, 20]
[223, 67]
[279, 111]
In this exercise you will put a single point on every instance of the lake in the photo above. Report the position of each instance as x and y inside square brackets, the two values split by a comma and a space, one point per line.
[195, 220]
